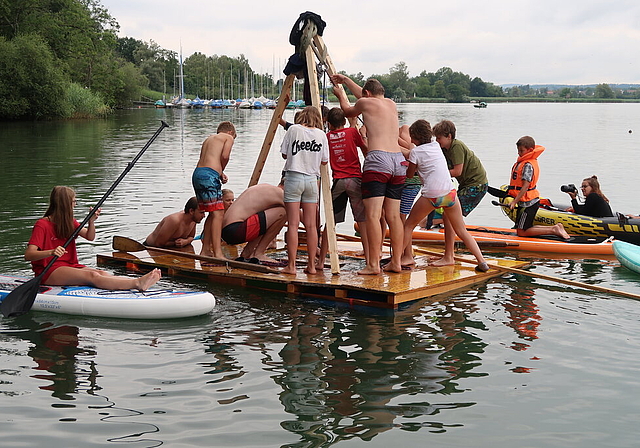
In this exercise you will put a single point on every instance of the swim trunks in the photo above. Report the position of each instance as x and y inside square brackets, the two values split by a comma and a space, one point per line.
[409, 194]
[244, 231]
[208, 187]
[526, 215]
[471, 196]
[347, 189]
[445, 201]
[384, 174]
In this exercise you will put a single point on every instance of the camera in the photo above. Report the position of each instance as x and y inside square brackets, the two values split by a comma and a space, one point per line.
[569, 188]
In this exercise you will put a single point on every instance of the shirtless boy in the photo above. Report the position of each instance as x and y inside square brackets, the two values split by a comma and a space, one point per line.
[256, 217]
[384, 169]
[177, 229]
[207, 180]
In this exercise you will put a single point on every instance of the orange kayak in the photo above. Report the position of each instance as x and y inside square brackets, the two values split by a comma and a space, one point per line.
[507, 239]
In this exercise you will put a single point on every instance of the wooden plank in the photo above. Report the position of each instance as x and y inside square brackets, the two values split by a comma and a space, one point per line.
[271, 131]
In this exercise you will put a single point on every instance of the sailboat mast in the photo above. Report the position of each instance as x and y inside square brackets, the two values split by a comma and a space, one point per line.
[181, 76]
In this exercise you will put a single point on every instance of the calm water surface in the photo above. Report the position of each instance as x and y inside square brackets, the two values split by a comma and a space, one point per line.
[516, 362]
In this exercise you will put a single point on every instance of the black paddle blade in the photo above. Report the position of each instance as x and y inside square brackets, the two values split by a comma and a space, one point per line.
[497, 192]
[20, 300]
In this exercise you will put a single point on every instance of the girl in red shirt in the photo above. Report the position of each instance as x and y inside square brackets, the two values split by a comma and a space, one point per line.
[49, 235]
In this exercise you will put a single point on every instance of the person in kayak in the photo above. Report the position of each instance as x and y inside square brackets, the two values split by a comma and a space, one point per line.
[52, 231]
[595, 204]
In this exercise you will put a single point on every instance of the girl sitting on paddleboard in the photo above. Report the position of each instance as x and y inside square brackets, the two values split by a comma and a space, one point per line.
[49, 235]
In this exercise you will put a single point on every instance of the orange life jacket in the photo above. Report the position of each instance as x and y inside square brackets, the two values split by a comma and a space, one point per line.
[516, 175]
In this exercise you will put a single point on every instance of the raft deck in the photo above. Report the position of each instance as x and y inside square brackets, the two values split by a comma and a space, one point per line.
[387, 290]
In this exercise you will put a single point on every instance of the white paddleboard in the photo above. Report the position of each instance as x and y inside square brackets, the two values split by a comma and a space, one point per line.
[155, 303]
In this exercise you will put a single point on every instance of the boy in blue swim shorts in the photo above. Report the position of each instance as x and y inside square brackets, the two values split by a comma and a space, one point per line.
[207, 180]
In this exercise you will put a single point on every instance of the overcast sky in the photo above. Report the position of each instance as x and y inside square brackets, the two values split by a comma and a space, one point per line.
[503, 42]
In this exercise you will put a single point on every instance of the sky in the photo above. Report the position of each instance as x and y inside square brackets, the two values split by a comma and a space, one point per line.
[503, 42]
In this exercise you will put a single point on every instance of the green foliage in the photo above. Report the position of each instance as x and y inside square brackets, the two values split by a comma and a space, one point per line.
[604, 91]
[83, 103]
[31, 85]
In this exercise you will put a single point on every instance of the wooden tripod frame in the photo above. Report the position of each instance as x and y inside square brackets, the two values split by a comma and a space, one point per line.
[315, 49]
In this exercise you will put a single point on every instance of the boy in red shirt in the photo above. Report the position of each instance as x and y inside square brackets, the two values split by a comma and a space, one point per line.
[347, 176]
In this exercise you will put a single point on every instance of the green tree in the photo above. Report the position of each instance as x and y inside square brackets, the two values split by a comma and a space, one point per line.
[565, 92]
[478, 87]
[456, 93]
[31, 85]
[604, 91]
[424, 88]
[440, 90]
[399, 78]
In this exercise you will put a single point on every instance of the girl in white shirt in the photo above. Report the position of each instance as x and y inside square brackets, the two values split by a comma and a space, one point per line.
[437, 191]
[305, 148]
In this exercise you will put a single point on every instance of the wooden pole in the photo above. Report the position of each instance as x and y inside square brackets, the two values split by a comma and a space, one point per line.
[271, 132]
[325, 179]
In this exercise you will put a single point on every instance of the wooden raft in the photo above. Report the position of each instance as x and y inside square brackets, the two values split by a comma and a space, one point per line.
[387, 290]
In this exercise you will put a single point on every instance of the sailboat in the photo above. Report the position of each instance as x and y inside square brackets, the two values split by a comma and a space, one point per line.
[181, 101]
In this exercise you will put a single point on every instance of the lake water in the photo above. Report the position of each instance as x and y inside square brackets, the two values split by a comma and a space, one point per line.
[516, 362]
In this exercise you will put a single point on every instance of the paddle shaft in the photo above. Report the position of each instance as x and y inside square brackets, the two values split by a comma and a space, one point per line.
[106, 195]
[128, 245]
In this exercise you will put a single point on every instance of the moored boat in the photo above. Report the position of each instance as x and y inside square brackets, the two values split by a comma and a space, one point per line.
[155, 303]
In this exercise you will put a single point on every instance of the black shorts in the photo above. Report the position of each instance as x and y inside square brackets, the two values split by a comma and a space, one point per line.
[526, 215]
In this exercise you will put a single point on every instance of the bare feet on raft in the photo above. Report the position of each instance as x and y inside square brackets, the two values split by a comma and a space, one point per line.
[392, 267]
[369, 270]
[291, 270]
[442, 262]
[148, 280]
[407, 262]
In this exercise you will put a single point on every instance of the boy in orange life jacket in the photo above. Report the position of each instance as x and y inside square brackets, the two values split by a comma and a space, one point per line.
[522, 187]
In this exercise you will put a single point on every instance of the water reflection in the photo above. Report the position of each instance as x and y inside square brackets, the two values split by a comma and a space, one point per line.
[522, 313]
[346, 376]
[66, 369]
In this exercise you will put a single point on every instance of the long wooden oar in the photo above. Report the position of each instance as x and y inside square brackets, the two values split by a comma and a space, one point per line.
[20, 300]
[527, 273]
[125, 244]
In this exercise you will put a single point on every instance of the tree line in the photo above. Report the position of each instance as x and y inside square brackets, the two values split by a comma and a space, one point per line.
[63, 58]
